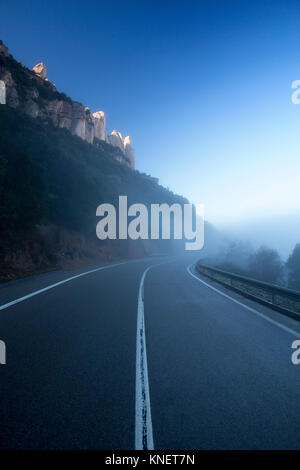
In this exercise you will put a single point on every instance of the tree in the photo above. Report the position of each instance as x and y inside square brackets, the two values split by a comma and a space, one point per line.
[236, 256]
[266, 265]
[293, 268]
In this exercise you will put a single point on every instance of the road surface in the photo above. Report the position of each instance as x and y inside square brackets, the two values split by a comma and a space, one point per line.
[120, 358]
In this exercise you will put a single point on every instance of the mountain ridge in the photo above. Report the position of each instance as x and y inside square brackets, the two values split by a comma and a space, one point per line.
[33, 93]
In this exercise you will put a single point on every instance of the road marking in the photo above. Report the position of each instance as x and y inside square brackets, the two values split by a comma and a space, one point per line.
[274, 322]
[143, 421]
[21, 299]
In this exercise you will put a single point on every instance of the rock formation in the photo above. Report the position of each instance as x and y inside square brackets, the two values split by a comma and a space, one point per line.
[3, 49]
[116, 139]
[100, 125]
[2, 92]
[40, 70]
[35, 95]
[129, 152]
[124, 144]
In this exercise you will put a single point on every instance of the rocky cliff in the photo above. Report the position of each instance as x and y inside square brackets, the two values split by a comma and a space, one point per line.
[50, 186]
[32, 93]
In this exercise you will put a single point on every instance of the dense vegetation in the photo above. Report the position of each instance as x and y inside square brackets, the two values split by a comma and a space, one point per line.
[264, 264]
[46, 174]
[293, 268]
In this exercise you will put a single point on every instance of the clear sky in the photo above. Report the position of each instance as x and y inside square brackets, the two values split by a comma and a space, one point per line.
[203, 88]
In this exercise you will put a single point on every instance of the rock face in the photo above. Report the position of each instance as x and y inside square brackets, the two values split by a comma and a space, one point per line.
[2, 92]
[116, 139]
[129, 152]
[100, 125]
[40, 70]
[35, 95]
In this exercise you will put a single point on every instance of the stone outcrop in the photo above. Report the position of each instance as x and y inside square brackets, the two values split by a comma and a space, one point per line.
[129, 152]
[35, 95]
[100, 125]
[2, 92]
[116, 139]
[12, 98]
[40, 70]
[124, 144]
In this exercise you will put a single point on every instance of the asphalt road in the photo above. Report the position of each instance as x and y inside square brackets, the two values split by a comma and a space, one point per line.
[89, 358]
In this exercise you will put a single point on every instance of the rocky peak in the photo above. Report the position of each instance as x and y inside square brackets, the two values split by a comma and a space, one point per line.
[99, 115]
[127, 141]
[129, 152]
[2, 92]
[40, 70]
[116, 139]
[34, 94]
[124, 144]
[99, 119]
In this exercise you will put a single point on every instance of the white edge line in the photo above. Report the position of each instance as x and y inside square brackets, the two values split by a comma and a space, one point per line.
[143, 421]
[32, 294]
[274, 322]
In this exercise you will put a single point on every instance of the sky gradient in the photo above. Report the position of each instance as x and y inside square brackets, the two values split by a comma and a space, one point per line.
[202, 87]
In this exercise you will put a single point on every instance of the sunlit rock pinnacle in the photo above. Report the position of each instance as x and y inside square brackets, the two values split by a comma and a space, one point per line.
[2, 92]
[99, 119]
[40, 70]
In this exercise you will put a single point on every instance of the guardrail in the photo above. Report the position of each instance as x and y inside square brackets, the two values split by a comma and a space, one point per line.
[284, 300]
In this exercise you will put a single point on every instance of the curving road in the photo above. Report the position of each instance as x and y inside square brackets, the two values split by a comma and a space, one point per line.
[122, 357]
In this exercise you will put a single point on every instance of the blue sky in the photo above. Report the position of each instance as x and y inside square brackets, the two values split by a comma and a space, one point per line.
[203, 88]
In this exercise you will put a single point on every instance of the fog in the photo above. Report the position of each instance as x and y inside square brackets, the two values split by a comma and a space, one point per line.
[280, 233]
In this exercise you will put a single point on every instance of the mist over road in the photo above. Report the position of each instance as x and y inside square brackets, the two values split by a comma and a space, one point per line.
[218, 375]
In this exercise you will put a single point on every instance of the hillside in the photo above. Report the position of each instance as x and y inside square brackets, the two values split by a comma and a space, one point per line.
[51, 183]
[32, 93]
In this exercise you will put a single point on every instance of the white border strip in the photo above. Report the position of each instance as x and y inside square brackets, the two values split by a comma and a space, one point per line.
[21, 299]
[274, 322]
[143, 421]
